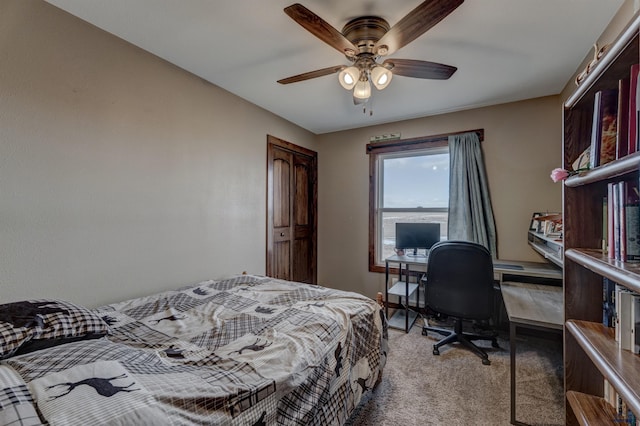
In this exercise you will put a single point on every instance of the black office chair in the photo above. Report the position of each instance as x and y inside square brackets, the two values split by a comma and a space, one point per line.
[459, 284]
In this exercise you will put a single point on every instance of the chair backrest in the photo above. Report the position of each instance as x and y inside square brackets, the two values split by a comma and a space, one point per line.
[460, 280]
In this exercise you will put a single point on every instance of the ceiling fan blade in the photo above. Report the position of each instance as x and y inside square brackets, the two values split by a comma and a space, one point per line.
[414, 24]
[311, 74]
[321, 29]
[419, 69]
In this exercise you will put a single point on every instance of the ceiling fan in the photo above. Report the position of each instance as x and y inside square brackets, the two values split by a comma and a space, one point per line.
[365, 39]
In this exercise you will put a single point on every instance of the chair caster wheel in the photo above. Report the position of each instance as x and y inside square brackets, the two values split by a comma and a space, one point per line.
[424, 332]
[495, 344]
[486, 362]
[436, 351]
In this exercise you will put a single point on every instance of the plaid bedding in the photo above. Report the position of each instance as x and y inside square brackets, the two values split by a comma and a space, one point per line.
[248, 350]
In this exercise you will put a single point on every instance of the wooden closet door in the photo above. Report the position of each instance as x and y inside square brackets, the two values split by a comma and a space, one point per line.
[291, 212]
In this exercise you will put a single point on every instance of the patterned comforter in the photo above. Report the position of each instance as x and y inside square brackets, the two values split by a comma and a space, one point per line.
[247, 350]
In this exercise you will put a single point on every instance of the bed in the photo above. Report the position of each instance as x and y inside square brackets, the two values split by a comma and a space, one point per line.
[246, 350]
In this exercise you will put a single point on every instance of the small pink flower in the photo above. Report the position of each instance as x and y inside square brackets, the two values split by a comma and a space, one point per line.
[559, 174]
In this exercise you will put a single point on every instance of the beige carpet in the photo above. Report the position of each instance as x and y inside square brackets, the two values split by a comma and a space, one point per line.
[454, 388]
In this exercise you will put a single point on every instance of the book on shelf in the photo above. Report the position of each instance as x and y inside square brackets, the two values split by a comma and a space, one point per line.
[621, 221]
[624, 297]
[547, 224]
[594, 154]
[632, 221]
[622, 126]
[622, 232]
[624, 415]
[634, 319]
[603, 130]
[615, 219]
[608, 302]
[605, 224]
[616, 116]
[609, 229]
[634, 109]
[621, 311]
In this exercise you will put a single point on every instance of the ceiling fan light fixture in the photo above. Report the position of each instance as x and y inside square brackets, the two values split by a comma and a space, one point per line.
[362, 90]
[381, 77]
[348, 77]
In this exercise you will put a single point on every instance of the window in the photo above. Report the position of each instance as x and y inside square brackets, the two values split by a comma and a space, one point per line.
[408, 184]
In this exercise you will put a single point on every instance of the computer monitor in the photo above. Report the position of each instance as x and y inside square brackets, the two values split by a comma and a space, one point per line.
[417, 236]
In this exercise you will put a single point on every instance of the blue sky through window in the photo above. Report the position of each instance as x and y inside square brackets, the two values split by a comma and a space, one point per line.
[418, 181]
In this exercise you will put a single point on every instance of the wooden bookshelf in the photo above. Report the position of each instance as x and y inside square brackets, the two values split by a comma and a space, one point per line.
[591, 353]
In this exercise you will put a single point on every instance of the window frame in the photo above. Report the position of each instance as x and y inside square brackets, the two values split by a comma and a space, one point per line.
[376, 151]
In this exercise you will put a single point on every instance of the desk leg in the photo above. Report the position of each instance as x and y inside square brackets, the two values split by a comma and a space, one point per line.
[406, 309]
[512, 350]
[512, 354]
[386, 290]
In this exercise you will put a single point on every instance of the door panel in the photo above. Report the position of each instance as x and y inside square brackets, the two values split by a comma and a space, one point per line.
[281, 189]
[301, 200]
[301, 270]
[282, 254]
[291, 211]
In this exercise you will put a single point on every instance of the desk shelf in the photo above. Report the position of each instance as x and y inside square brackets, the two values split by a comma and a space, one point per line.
[549, 248]
[404, 316]
[399, 318]
[400, 289]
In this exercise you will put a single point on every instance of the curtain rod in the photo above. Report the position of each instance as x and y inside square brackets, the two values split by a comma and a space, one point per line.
[444, 137]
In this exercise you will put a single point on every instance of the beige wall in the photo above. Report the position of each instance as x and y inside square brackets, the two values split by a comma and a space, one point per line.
[120, 174]
[522, 145]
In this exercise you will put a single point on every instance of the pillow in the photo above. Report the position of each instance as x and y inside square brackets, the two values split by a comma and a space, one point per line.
[54, 321]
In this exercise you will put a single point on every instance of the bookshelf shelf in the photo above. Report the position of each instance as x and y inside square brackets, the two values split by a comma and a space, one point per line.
[593, 410]
[592, 356]
[620, 367]
[611, 170]
[624, 273]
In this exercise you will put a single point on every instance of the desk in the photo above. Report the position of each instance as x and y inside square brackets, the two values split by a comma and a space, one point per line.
[533, 306]
[404, 318]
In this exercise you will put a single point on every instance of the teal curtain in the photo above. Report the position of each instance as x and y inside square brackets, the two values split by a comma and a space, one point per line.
[470, 212]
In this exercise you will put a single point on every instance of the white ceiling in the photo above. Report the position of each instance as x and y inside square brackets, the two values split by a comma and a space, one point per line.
[505, 50]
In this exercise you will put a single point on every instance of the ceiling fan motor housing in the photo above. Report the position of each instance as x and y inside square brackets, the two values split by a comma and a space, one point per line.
[364, 32]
